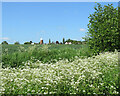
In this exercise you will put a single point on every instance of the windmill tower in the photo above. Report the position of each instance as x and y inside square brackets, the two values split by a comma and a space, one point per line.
[41, 41]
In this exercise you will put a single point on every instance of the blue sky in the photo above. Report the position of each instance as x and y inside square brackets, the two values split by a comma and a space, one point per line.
[30, 21]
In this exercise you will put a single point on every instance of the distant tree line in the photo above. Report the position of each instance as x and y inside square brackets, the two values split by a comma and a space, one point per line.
[5, 42]
[74, 41]
[57, 42]
[28, 42]
[68, 40]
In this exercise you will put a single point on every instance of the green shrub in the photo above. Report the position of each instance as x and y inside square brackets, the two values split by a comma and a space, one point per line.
[4, 42]
[103, 34]
[16, 43]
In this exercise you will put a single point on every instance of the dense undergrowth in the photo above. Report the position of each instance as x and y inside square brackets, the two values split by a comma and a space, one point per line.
[92, 75]
[17, 55]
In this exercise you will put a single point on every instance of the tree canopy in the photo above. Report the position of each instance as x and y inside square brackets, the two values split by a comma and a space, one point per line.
[73, 41]
[103, 34]
[16, 43]
[4, 42]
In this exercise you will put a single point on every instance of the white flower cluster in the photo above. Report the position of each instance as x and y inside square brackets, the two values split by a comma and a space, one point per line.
[63, 76]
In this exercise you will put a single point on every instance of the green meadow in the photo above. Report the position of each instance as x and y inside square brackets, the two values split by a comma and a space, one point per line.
[16, 55]
[58, 69]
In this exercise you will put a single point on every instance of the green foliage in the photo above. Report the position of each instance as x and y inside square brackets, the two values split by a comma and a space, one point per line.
[4, 42]
[119, 22]
[16, 43]
[103, 34]
[73, 41]
[63, 40]
[49, 41]
[27, 43]
[30, 42]
[14, 55]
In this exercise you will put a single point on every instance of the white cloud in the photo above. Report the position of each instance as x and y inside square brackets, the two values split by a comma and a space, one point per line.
[4, 38]
[82, 29]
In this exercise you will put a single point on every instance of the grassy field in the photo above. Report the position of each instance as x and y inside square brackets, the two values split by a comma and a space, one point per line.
[16, 55]
[15, 48]
[58, 69]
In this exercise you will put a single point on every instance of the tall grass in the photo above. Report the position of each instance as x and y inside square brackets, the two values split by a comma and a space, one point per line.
[44, 53]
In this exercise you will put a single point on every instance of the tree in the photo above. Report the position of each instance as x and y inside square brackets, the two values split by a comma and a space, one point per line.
[119, 22]
[27, 43]
[60, 42]
[103, 29]
[63, 40]
[57, 42]
[16, 43]
[53, 42]
[4, 42]
[73, 41]
[49, 41]
[30, 42]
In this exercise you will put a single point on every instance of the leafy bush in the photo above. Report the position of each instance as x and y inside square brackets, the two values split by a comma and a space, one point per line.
[16, 43]
[27, 43]
[4, 42]
[103, 34]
